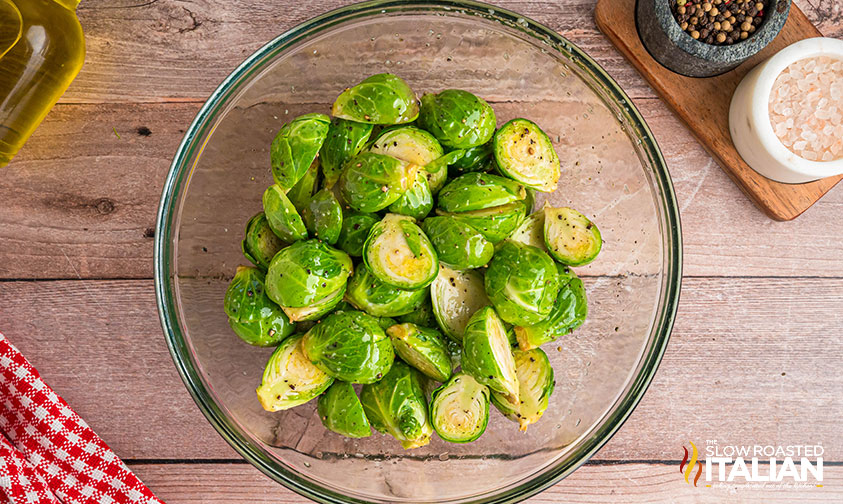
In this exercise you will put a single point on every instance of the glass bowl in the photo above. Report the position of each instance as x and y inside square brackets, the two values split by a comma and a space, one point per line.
[613, 172]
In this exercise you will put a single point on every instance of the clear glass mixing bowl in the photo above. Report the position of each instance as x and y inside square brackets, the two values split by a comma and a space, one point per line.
[613, 172]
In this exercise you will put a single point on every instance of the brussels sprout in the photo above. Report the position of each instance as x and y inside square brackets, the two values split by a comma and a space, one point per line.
[350, 346]
[296, 146]
[290, 379]
[531, 231]
[323, 216]
[423, 348]
[409, 144]
[522, 283]
[396, 406]
[305, 188]
[457, 244]
[253, 317]
[417, 202]
[459, 409]
[398, 253]
[380, 99]
[341, 412]
[317, 309]
[568, 313]
[306, 272]
[535, 385]
[570, 237]
[366, 292]
[524, 152]
[421, 316]
[260, 244]
[345, 140]
[282, 216]
[439, 165]
[456, 296]
[494, 223]
[475, 159]
[372, 182]
[385, 322]
[457, 118]
[479, 191]
[487, 355]
[355, 229]
[435, 179]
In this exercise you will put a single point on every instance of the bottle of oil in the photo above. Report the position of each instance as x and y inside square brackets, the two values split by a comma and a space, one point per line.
[38, 68]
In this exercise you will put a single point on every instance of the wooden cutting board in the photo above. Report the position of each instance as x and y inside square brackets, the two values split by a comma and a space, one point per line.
[703, 105]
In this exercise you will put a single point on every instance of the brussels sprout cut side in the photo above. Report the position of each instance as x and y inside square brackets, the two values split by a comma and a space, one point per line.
[536, 383]
[372, 182]
[380, 99]
[283, 218]
[568, 313]
[456, 296]
[459, 409]
[396, 406]
[398, 253]
[253, 317]
[305, 273]
[260, 244]
[487, 355]
[524, 152]
[290, 379]
[531, 231]
[422, 348]
[522, 283]
[457, 118]
[571, 238]
[296, 146]
[341, 412]
[366, 292]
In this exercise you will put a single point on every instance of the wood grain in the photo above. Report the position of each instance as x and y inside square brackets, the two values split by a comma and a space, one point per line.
[710, 123]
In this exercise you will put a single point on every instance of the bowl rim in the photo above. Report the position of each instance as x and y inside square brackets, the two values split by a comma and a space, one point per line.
[180, 172]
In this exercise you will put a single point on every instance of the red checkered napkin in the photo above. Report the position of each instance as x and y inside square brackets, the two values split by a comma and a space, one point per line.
[49, 454]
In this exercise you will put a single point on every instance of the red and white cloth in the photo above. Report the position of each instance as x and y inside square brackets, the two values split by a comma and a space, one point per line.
[48, 455]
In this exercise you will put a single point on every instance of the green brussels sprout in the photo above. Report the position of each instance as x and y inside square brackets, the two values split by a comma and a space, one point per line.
[323, 216]
[317, 309]
[251, 314]
[350, 346]
[568, 313]
[409, 144]
[341, 412]
[456, 296]
[372, 182]
[290, 379]
[522, 282]
[260, 243]
[396, 406]
[421, 316]
[487, 355]
[366, 292]
[457, 244]
[398, 253]
[531, 231]
[494, 223]
[475, 159]
[355, 229]
[305, 188]
[306, 272]
[282, 216]
[423, 348]
[479, 191]
[457, 118]
[296, 146]
[435, 179]
[525, 153]
[570, 237]
[385, 322]
[440, 164]
[417, 202]
[379, 99]
[345, 140]
[459, 409]
[535, 385]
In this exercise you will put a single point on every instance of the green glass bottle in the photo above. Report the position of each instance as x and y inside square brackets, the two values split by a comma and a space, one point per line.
[38, 68]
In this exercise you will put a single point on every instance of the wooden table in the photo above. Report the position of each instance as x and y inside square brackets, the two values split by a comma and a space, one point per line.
[755, 356]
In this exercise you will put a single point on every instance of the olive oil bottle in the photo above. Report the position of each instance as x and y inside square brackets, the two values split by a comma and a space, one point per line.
[38, 68]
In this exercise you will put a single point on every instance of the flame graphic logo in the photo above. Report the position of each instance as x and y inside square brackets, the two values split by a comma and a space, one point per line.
[690, 464]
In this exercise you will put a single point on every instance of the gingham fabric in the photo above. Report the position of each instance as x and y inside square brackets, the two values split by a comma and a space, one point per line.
[49, 454]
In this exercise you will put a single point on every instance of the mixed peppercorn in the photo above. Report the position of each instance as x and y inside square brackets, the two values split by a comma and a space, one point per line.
[719, 22]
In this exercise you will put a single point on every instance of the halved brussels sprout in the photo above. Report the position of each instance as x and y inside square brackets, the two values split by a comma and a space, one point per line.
[417, 202]
[423, 348]
[568, 313]
[350, 346]
[494, 223]
[398, 253]
[524, 152]
[344, 141]
[396, 406]
[440, 164]
[306, 272]
[341, 412]
[265, 332]
[522, 283]
[536, 383]
[531, 231]
[379, 99]
[479, 191]
[323, 216]
[487, 355]
[260, 243]
[296, 146]
[372, 182]
[366, 292]
[459, 409]
[456, 296]
[317, 309]
[305, 188]
[283, 218]
[475, 159]
[409, 144]
[421, 316]
[457, 118]
[355, 229]
[251, 314]
[457, 244]
[289, 378]
[570, 237]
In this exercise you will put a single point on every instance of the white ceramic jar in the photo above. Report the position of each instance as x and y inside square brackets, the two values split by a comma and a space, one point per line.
[749, 117]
